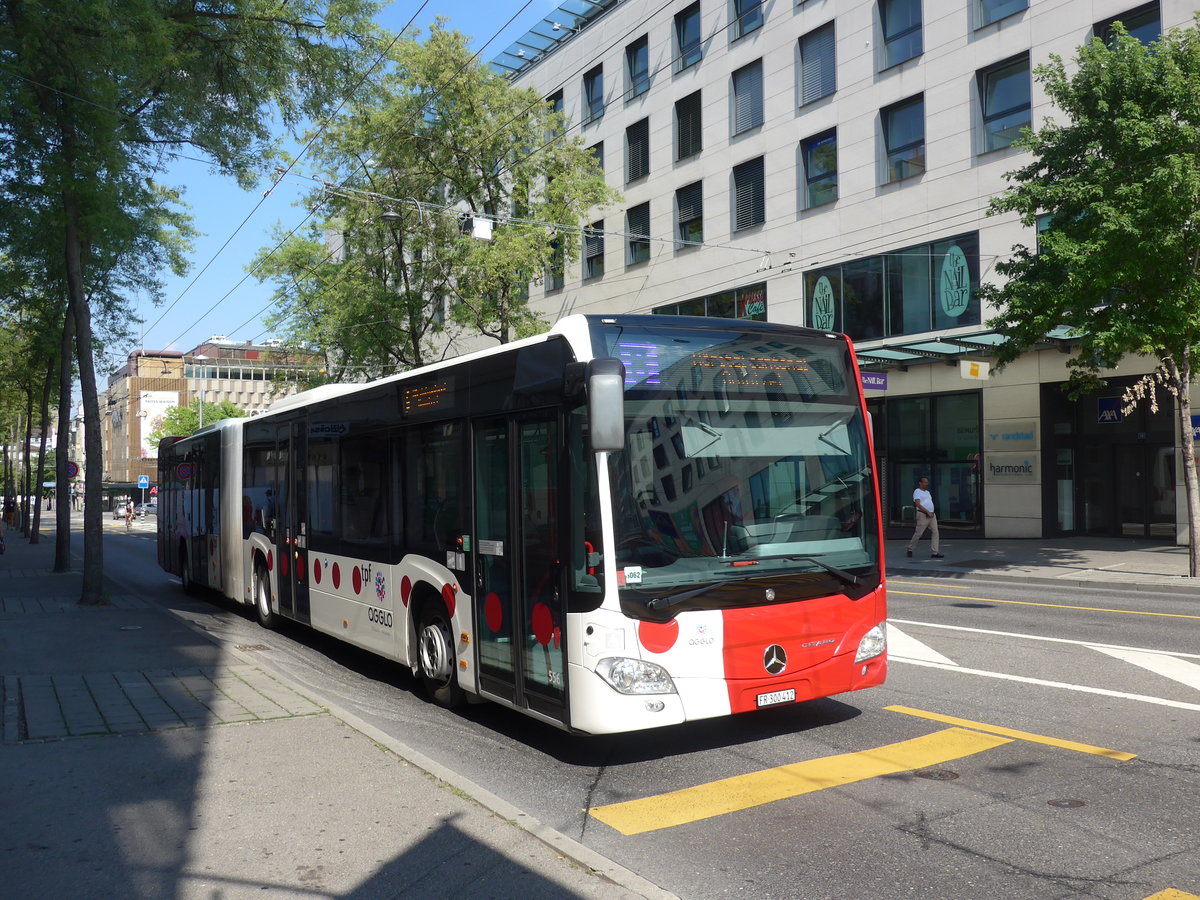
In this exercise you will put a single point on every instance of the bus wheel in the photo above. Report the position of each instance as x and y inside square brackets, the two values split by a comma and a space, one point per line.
[262, 599]
[435, 667]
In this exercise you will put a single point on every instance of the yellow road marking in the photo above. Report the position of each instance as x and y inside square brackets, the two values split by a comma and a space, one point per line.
[757, 788]
[1128, 612]
[1172, 894]
[1013, 733]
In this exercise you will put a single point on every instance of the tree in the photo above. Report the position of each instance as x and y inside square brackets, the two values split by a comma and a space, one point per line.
[440, 140]
[181, 421]
[97, 94]
[1119, 264]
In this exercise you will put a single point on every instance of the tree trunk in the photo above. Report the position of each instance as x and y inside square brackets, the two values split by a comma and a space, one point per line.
[62, 537]
[32, 492]
[1183, 376]
[93, 524]
[44, 428]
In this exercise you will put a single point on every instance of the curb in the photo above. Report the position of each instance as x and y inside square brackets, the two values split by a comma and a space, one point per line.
[1178, 584]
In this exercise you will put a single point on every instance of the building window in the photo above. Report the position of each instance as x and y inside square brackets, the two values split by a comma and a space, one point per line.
[687, 37]
[1143, 23]
[1005, 99]
[637, 150]
[747, 97]
[687, 126]
[749, 302]
[818, 67]
[748, 17]
[689, 205]
[749, 195]
[637, 68]
[597, 151]
[556, 105]
[593, 95]
[994, 10]
[637, 227]
[820, 169]
[913, 290]
[593, 250]
[901, 22]
[904, 138]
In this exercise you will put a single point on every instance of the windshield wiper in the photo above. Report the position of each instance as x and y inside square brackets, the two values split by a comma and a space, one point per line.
[669, 601]
[824, 435]
[841, 574]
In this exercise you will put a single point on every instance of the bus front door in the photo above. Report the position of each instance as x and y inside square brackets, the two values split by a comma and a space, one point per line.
[519, 610]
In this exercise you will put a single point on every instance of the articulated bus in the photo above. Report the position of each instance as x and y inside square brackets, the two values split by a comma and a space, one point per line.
[625, 523]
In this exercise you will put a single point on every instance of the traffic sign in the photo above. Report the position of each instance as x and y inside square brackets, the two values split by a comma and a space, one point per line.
[143, 481]
[72, 469]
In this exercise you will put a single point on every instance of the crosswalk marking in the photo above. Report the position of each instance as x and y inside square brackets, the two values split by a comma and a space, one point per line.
[1159, 663]
[757, 788]
[1013, 733]
[903, 646]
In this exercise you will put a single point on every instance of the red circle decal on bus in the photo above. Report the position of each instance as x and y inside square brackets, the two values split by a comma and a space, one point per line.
[317, 571]
[448, 596]
[357, 580]
[405, 589]
[299, 567]
[270, 561]
[658, 638]
[543, 623]
[283, 564]
[337, 576]
[493, 612]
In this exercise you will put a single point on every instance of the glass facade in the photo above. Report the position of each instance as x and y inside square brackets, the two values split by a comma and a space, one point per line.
[907, 291]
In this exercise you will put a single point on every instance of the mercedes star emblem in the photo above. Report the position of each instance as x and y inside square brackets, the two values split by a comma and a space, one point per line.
[775, 659]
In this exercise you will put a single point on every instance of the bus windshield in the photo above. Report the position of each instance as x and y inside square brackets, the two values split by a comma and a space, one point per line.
[746, 458]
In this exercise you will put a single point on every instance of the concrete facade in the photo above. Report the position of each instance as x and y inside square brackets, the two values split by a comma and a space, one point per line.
[769, 266]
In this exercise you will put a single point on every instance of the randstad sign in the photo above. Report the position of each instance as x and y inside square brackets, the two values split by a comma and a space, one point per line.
[1011, 434]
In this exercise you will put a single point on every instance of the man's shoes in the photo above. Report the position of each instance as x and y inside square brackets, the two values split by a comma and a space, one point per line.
[909, 552]
[937, 556]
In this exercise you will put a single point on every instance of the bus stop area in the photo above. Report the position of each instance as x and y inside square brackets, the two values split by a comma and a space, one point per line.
[142, 757]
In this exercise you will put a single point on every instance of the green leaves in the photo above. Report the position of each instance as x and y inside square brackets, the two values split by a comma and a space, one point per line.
[435, 138]
[1121, 180]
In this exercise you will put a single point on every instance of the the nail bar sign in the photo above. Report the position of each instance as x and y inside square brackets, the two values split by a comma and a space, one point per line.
[874, 381]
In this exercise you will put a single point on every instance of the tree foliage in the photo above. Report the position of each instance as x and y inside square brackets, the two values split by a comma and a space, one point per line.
[387, 267]
[181, 421]
[1120, 181]
[95, 97]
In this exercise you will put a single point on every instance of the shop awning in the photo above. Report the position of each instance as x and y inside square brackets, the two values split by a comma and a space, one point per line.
[900, 353]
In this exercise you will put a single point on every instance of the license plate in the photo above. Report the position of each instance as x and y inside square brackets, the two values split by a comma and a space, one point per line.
[774, 698]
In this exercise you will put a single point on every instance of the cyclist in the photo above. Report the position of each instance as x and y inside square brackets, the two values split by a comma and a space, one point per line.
[129, 515]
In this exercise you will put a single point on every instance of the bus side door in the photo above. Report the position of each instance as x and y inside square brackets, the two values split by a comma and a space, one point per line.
[291, 535]
[519, 612]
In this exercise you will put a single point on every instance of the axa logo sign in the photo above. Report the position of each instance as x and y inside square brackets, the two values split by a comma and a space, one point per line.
[775, 659]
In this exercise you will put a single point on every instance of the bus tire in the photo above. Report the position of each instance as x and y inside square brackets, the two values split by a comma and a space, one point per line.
[262, 599]
[435, 656]
[185, 572]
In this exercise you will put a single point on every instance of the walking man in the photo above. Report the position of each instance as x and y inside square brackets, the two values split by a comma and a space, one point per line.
[926, 518]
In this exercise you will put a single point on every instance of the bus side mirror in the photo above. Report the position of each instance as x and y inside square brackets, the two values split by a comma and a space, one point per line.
[606, 404]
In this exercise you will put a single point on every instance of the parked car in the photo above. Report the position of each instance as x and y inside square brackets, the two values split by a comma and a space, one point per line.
[146, 509]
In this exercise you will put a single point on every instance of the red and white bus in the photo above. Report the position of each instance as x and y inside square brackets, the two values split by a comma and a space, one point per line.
[624, 523]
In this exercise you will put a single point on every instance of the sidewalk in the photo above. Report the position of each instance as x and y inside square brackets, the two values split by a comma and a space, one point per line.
[1128, 563]
[140, 759]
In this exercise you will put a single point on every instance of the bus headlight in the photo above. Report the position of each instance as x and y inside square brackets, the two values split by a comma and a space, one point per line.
[633, 676]
[874, 642]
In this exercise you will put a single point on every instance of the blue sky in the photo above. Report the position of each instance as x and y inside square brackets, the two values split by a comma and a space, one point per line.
[216, 297]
